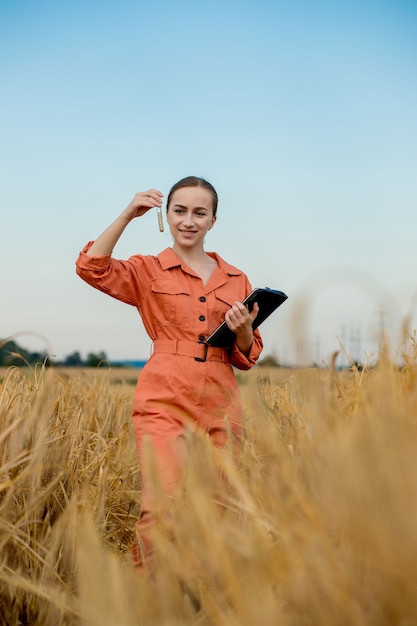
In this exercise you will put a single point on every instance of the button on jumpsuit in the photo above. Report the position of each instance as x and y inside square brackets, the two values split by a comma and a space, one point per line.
[178, 389]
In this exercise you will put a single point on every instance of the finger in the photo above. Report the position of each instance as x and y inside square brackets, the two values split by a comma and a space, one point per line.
[154, 196]
[229, 314]
[254, 311]
[149, 201]
[235, 316]
[155, 192]
[239, 308]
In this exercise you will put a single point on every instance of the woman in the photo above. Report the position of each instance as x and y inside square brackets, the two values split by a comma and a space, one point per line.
[182, 295]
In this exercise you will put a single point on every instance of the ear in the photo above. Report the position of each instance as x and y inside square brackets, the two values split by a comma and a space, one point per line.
[213, 221]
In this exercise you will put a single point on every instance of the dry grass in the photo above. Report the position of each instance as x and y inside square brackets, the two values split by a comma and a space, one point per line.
[317, 525]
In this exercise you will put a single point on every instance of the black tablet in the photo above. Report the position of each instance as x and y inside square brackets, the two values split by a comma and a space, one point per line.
[268, 301]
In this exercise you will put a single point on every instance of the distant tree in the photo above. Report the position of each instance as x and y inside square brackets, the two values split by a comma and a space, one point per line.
[6, 349]
[13, 354]
[94, 360]
[40, 357]
[73, 360]
[269, 361]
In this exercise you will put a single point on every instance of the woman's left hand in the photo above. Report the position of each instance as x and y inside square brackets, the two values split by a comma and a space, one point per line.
[239, 320]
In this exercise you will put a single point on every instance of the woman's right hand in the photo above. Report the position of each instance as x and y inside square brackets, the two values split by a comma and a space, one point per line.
[142, 202]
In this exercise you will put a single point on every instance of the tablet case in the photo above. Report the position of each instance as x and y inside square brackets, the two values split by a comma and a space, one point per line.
[268, 301]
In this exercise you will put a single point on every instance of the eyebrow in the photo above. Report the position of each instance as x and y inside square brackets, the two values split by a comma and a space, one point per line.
[196, 208]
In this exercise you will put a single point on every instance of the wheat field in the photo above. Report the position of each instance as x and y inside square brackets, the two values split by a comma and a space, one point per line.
[314, 524]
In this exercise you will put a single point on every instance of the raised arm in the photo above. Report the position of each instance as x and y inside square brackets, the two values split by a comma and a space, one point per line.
[141, 203]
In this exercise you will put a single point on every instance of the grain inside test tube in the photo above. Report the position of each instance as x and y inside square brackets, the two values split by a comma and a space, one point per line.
[160, 221]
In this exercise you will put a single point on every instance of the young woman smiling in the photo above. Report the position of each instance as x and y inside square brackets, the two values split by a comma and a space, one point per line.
[182, 295]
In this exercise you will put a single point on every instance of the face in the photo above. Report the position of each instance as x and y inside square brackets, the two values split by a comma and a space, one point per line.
[190, 216]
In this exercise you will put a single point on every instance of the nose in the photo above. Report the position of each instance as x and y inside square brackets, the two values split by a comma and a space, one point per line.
[188, 219]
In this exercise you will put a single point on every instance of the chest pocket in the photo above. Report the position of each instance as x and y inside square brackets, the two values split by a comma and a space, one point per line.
[171, 303]
[224, 301]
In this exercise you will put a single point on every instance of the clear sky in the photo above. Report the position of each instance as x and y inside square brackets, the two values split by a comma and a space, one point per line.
[303, 115]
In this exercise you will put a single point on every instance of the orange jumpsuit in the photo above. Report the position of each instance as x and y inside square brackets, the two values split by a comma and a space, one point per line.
[182, 387]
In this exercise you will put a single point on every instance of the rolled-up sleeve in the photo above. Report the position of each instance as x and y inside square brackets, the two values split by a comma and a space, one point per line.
[243, 361]
[111, 276]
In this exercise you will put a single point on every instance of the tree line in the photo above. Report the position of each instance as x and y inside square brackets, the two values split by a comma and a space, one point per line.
[11, 353]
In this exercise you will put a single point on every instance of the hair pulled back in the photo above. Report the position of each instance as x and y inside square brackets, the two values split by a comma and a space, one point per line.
[195, 181]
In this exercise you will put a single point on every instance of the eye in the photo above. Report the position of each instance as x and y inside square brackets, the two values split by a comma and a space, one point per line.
[179, 211]
[201, 213]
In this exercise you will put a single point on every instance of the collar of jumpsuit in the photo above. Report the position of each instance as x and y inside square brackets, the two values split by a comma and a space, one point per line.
[168, 259]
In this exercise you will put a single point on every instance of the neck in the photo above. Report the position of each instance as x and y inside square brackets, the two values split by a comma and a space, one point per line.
[190, 255]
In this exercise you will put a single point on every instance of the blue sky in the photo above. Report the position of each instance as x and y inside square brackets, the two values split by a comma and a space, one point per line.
[302, 114]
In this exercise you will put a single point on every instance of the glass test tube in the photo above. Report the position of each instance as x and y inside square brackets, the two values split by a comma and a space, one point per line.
[160, 220]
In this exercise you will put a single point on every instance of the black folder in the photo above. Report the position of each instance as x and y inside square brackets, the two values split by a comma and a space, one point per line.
[268, 301]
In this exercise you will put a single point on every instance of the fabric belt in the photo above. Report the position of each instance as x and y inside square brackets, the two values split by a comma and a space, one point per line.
[198, 351]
